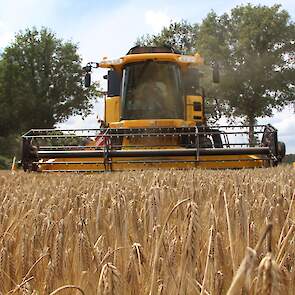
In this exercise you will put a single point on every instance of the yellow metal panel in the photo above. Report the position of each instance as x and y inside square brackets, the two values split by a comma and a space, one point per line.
[112, 109]
[198, 60]
[151, 123]
[124, 163]
[192, 115]
[151, 142]
[73, 164]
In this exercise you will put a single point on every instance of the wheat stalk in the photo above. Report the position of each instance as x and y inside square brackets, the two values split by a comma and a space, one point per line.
[122, 233]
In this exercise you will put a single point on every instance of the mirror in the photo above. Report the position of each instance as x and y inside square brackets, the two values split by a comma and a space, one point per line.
[114, 83]
[87, 68]
[87, 80]
[216, 74]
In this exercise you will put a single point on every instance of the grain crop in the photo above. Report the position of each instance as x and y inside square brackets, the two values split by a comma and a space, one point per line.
[148, 232]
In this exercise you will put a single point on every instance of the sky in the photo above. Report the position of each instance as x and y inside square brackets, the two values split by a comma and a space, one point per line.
[109, 28]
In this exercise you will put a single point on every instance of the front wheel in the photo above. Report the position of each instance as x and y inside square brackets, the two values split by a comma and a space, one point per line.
[281, 148]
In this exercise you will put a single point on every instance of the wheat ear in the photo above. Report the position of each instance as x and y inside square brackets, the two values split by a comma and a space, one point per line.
[243, 273]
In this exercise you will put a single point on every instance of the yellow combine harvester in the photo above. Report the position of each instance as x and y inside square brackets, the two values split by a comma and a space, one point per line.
[154, 118]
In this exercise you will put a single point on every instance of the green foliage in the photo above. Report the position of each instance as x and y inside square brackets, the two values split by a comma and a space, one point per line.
[10, 145]
[255, 48]
[289, 158]
[41, 82]
[181, 36]
[5, 163]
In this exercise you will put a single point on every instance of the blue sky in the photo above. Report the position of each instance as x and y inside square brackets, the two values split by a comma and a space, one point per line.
[110, 28]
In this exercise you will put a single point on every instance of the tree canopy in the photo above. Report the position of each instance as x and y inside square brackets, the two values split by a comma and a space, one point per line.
[255, 48]
[180, 35]
[41, 82]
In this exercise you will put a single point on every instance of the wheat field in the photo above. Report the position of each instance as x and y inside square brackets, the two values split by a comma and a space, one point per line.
[148, 232]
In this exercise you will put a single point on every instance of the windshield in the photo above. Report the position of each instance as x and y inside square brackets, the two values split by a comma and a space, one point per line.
[152, 90]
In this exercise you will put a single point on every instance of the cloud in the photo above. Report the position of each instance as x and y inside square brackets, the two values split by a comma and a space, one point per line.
[5, 38]
[89, 122]
[5, 35]
[110, 35]
[284, 122]
[110, 28]
[156, 20]
[17, 15]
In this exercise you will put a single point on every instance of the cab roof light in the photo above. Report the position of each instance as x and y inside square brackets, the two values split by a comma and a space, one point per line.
[191, 59]
[112, 62]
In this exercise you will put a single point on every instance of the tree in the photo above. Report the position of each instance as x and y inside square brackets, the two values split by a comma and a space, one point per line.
[255, 48]
[289, 159]
[41, 83]
[180, 35]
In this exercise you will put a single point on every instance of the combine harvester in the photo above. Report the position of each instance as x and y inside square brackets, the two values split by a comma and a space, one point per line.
[154, 118]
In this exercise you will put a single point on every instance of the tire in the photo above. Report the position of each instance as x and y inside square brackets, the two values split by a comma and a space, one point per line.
[281, 148]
